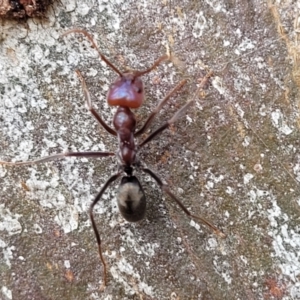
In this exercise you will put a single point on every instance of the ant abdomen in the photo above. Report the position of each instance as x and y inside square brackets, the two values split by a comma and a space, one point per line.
[131, 199]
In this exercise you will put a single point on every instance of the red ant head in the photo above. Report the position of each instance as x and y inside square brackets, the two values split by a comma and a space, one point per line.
[127, 90]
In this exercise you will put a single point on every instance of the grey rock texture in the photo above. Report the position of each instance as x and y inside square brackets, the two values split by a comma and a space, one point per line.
[234, 158]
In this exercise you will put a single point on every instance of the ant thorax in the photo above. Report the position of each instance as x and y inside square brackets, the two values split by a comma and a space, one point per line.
[123, 154]
[124, 122]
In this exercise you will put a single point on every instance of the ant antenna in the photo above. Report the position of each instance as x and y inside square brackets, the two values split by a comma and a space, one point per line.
[155, 64]
[90, 38]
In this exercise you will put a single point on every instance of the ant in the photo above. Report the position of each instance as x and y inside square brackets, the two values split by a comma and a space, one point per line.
[127, 92]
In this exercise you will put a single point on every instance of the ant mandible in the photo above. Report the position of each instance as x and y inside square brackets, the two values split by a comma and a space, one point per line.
[127, 92]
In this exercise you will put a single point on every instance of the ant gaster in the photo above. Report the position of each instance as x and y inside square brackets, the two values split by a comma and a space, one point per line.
[127, 92]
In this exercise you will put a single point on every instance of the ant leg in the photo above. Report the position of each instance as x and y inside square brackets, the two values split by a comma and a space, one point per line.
[158, 107]
[165, 188]
[98, 197]
[178, 114]
[58, 156]
[90, 106]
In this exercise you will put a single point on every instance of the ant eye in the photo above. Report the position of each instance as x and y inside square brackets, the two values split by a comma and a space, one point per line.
[138, 89]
